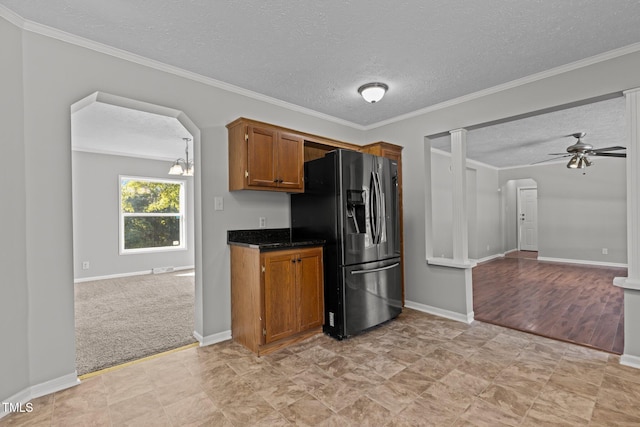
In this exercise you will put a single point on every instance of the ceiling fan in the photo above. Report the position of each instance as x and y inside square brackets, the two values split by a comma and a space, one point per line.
[580, 152]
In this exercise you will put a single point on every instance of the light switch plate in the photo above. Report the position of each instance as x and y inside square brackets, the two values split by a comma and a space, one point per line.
[218, 204]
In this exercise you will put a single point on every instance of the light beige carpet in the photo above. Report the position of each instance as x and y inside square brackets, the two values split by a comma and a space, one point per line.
[120, 320]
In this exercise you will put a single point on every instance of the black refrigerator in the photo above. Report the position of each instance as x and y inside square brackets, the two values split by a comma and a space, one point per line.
[351, 201]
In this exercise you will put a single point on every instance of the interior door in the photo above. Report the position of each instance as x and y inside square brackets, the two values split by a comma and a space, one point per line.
[528, 219]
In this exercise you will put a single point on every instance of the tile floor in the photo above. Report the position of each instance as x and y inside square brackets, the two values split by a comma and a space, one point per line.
[414, 371]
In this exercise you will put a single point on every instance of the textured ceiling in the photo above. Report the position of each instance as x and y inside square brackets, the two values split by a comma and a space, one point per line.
[316, 54]
[109, 129]
[531, 140]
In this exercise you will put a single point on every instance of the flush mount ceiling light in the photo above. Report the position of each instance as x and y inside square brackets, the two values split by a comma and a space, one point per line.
[373, 92]
[183, 166]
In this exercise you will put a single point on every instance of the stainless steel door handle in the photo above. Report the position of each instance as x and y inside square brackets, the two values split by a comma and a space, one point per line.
[374, 270]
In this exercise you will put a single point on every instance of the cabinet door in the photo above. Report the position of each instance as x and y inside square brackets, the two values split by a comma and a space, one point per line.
[310, 289]
[279, 296]
[290, 161]
[261, 143]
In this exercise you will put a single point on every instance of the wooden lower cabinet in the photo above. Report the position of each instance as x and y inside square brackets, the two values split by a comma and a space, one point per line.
[276, 296]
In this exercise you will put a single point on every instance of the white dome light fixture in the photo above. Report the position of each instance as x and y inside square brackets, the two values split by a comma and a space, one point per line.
[373, 92]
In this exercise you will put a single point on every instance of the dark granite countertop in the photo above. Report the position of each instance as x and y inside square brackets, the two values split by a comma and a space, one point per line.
[268, 239]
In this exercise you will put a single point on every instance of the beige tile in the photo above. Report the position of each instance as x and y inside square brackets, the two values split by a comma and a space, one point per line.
[416, 370]
[574, 385]
[426, 412]
[290, 364]
[126, 383]
[283, 393]
[466, 382]
[337, 394]
[604, 416]
[392, 396]
[307, 411]
[456, 398]
[384, 366]
[507, 400]
[514, 379]
[482, 413]
[412, 381]
[134, 407]
[540, 416]
[247, 410]
[437, 363]
[557, 398]
[94, 418]
[168, 393]
[403, 356]
[366, 412]
[312, 379]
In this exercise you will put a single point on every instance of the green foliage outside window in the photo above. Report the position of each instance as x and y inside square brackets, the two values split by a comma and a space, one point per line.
[152, 215]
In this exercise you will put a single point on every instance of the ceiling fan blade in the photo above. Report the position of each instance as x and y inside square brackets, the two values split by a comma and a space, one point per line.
[599, 150]
[548, 160]
[558, 154]
[608, 154]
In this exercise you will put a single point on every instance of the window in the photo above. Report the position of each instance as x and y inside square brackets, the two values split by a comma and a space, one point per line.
[152, 214]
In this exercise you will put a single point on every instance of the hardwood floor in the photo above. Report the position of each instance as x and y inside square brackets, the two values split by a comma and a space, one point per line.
[569, 302]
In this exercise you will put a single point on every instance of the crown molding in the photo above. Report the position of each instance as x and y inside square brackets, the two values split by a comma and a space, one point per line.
[47, 31]
[632, 48]
[54, 33]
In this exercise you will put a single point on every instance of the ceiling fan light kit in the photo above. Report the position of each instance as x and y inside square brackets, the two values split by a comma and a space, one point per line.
[581, 151]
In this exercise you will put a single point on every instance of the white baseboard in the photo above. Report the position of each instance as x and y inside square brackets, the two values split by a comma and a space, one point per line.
[130, 274]
[459, 317]
[489, 258]
[584, 262]
[42, 389]
[629, 360]
[212, 339]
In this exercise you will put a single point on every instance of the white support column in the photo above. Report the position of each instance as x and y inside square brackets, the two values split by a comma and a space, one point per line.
[631, 283]
[459, 193]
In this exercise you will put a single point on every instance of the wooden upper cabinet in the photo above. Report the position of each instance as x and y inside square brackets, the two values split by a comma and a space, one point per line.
[263, 157]
[261, 165]
[289, 162]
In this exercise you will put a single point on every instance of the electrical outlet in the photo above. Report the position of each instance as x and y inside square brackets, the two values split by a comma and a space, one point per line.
[85, 265]
[605, 251]
[262, 222]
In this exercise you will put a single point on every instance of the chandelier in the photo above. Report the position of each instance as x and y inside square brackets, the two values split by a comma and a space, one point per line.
[183, 166]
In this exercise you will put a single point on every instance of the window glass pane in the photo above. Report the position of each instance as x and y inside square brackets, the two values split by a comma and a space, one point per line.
[151, 232]
[149, 197]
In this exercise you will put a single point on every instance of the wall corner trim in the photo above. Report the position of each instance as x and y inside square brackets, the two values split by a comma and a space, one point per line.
[458, 317]
[212, 339]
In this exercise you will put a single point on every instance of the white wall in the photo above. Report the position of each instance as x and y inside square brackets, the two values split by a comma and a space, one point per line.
[580, 212]
[96, 216]
[483, 208]
[429, 285]
[56, 74]
[14, 355]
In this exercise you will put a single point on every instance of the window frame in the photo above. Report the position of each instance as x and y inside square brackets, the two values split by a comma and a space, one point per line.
[182, 214]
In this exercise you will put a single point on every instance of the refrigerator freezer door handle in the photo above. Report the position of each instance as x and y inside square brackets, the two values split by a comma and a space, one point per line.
[373, 194]
[380, 207]
[375, 270]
